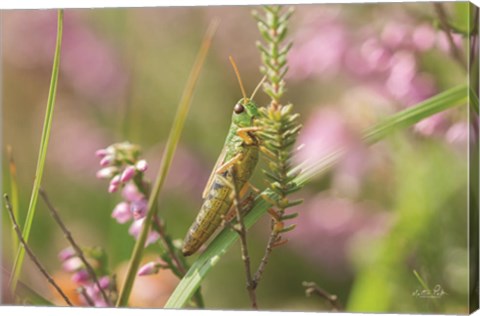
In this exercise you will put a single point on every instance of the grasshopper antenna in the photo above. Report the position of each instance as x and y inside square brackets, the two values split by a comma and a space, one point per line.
[258, 87]
[234, 65]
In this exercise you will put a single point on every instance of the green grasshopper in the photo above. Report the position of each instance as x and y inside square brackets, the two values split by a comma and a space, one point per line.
[240, 151]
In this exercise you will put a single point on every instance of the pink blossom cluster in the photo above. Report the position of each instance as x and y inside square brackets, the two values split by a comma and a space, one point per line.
[73, 264]
[387, 59]
[121, 165]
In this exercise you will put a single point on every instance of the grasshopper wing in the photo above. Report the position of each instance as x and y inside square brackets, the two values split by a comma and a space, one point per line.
[214, 171]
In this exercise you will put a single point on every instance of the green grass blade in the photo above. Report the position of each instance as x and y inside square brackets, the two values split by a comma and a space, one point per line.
[219, 246]
[421, 281]
[47, 125]
[27, 293]
[173, 139]
[414, 114]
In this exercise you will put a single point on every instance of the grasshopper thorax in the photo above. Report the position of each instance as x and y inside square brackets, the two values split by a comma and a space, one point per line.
[244, 112]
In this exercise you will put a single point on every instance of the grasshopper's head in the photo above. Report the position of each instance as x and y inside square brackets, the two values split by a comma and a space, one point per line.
[244, 112]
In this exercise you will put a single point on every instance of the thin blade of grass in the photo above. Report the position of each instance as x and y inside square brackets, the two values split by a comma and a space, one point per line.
[47, 125]
[173, 139]
[219, 246]
[27, 293]
[12, 169]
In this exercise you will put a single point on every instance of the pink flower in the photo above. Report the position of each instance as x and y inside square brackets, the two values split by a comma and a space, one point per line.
[130, 193]
[139, 208]
[66, 254]
[149, 269]
[141, 165]
[122, 213]
[128, 174]
[458, 133]
[101, 153]
[106, 161]
[431, 125]
[81, 277]
[424, 37]
[104, 282]
[320, 52]
[135, 229]
[106, 173]
[73, 264]
[395, 34]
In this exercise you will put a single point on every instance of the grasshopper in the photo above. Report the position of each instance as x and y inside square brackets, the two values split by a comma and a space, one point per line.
[240, 151]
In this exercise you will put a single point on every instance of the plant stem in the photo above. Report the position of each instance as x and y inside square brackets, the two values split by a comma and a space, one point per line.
[312, 287]
[31, 254]
[47, 125]
[456, 53]
[75, 246]
[167, 158]
[14, 195]
[242, 232]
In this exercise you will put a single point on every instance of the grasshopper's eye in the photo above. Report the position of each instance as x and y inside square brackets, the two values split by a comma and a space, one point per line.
[238, 108]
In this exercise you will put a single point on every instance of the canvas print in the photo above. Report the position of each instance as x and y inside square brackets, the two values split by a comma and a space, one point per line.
[315, 157]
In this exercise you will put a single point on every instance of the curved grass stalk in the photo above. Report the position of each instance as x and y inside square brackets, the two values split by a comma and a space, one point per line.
[219, 246]
[173, 139]
[47, 126]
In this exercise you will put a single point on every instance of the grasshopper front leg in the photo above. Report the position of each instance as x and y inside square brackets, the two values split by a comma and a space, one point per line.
[244, 134]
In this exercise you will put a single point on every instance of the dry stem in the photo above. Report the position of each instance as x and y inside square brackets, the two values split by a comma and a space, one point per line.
[31, 254]
[75, 246]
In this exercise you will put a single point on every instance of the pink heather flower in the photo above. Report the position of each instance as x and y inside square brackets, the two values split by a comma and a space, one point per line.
[320, 52]
[424, 37]
[81, 277]
[130, 193]
[101, 153]
[105, 161]
[115, 180]
[104, 282]
[106, 173]
[375, 55]
[149, 269]
[73, 264]
[135, 229]
[402, 73]
[444, 44]
[458, 133]
[141, 165]
[325, 131]
[139, 208]
[112, 188]
[122, 213]
[431, 125]
[128, 174]
[395, 34]
[66, 254]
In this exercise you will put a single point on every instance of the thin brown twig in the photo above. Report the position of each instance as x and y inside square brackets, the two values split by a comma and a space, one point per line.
[160, 228]
[69, 237]
[312, 287]
[268, 250]
[456, 53]
[87, 298]
[242, 232]
[31, 254]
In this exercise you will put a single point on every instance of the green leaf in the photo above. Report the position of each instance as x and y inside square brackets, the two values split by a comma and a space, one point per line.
[173, 139]
[47, 125]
